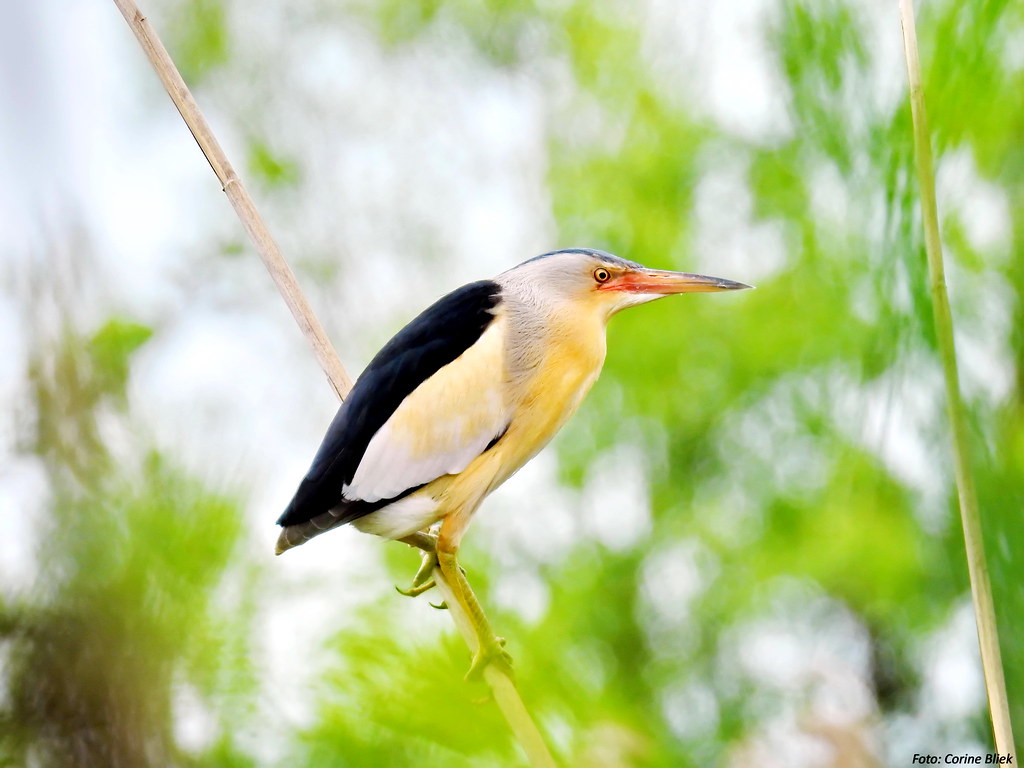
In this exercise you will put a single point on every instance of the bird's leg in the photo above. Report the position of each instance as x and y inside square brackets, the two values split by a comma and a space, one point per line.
[490, 648]
[422, 540]
[441, 551]
[422, 582]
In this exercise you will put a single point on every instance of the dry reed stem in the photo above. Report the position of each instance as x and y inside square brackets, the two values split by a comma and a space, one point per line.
[981, 587]
[502, 687]
[279, 270]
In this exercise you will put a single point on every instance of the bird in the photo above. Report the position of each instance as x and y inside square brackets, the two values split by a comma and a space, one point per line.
[461, 398]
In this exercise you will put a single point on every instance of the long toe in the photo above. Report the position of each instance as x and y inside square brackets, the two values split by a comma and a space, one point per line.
[416, 589]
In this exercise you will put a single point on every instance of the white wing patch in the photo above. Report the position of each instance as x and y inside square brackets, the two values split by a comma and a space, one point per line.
[445, 423]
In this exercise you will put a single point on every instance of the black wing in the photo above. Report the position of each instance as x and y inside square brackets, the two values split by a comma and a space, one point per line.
[435, 338]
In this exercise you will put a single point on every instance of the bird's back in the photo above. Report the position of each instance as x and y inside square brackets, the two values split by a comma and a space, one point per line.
[431, 341]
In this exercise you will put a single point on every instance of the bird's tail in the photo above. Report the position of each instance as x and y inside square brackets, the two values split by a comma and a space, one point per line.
[300, 533]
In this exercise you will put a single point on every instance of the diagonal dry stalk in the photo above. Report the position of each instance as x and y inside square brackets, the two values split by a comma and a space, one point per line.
[502, 686]
[981, 587]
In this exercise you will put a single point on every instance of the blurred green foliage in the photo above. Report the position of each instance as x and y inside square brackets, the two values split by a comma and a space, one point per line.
[129, 607]
[766, 496]
[271, 170]
[200, 35]
[110, 350]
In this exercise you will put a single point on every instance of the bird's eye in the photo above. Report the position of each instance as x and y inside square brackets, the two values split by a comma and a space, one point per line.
[602, 275]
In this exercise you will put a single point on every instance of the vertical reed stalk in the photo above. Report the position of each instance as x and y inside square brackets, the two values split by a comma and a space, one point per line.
[502, 687]
[981, 587]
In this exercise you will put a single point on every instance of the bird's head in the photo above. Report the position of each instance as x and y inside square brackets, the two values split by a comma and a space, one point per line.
[588, 279]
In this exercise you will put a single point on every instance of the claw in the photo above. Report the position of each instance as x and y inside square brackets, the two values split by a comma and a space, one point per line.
[442, 606]
[415, 589]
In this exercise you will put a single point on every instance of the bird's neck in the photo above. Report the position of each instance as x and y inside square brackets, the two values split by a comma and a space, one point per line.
[544, 339]
[567, 361]
[576, 342]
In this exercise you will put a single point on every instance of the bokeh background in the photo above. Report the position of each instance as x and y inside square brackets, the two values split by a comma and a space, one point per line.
[744, 550]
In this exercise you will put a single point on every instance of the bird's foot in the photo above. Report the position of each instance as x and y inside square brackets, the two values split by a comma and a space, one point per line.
[491, 651]
[422, 581]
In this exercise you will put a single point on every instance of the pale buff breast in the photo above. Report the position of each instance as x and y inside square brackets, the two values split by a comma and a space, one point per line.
[542, 401]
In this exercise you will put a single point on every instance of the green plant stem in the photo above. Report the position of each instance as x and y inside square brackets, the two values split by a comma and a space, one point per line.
[502, 686]
[981, 587]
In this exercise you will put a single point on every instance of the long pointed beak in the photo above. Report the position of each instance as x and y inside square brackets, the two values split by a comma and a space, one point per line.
[662, 282]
